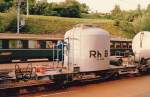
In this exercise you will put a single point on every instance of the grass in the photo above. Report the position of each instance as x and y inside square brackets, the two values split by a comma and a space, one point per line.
[59, 25]
[36, 24]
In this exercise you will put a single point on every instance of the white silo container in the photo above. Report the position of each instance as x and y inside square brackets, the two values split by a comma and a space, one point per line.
[141, 45]
[87, 49]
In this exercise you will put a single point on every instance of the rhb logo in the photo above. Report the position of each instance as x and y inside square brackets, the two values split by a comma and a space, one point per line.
[98, 55]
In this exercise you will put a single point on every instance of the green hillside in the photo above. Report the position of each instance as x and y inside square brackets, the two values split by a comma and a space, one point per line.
[59, 25]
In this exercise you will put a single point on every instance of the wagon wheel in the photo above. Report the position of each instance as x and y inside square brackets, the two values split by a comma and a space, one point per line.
[120, 61]
[28, 72]
[143, 61]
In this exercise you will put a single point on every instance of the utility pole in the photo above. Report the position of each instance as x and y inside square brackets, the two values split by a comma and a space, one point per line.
[27, 8]
[21, 22]
[18, 16]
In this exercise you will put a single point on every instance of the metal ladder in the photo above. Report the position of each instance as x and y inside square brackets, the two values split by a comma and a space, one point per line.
[57, 61]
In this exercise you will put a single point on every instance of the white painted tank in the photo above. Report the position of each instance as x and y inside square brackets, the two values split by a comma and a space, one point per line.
[87, 49]
[141, 45]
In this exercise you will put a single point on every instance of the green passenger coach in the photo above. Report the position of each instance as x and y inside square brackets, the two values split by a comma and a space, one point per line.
[27, 46]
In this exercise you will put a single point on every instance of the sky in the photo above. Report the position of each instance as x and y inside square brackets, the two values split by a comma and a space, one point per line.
[107, 5]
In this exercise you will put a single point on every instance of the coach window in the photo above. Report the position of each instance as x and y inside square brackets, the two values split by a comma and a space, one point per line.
[129, 45]
[15, 44]
[37, 44]
[42, 44]
[49, 44]
[24, 44]
[124, 45]
[117, 45]
[33, 44]
[0, 44]
[112, 45]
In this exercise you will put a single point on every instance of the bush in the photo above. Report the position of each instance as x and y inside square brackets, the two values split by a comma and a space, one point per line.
[126, 26]
[145, 23]
[142, 23]
[117, 22]
[5, 6]
[6, 19]
[70, 12]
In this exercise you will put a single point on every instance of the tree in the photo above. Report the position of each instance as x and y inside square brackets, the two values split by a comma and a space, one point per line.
[139, 11]
[142, 23]
[70, 11]
[137, 25]
[39, 8]
[84, 8]
[116, 12]
[70, 8]
[5, 5]
[148, 9]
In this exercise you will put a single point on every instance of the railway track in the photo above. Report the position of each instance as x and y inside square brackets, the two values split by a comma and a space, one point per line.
[125, 87]
[24, 87]
[34, 86]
